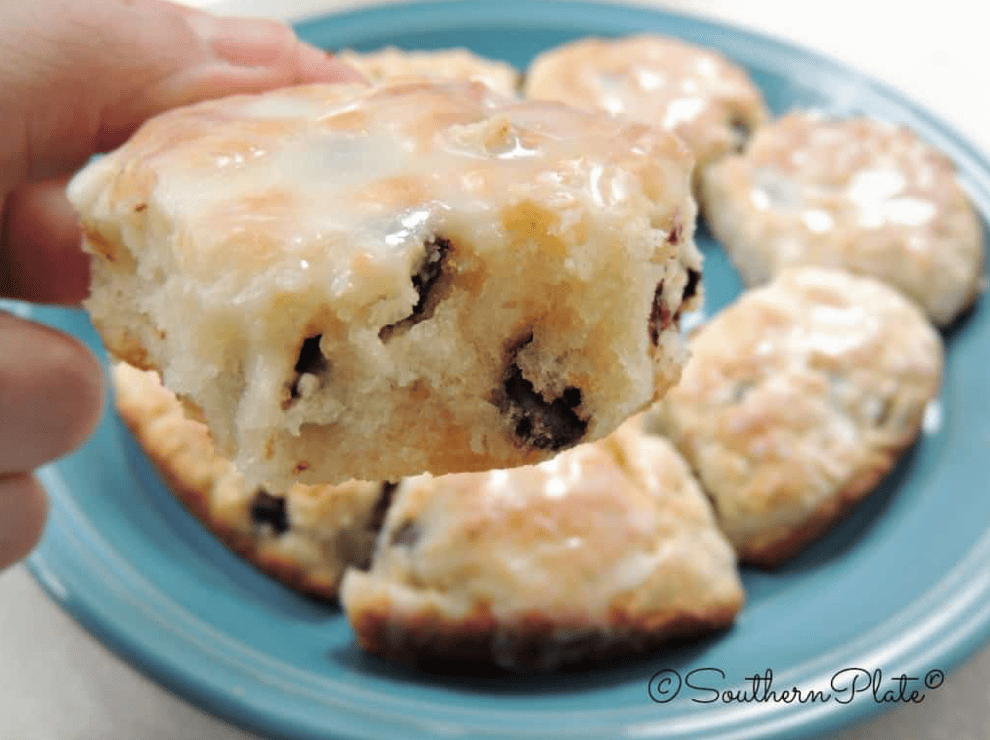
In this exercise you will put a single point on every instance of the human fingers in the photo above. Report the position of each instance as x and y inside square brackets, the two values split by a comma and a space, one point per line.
[51, 394]
[80, 75]
[40, 259]
[23, 508]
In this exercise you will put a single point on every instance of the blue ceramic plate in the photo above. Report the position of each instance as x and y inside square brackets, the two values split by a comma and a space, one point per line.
[900, 588]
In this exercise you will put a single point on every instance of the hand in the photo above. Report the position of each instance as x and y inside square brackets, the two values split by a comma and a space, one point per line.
[77, 77]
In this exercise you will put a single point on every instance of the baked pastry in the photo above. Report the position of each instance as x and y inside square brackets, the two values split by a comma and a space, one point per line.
[391, 62]
[363, 282]
[858, 194]
[708, 101]
[305, 536]
[797, 401]
[608, 549]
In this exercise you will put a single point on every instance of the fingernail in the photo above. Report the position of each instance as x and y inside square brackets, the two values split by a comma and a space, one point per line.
[246, 42]
[316, 65]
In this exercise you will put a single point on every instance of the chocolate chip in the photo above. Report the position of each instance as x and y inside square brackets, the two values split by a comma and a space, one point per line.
[545, 425]
[310, 361]
[740, 131]
[691, 287]
[406, 535]
[380, 508]
[661, 317]
[429, 272]
[270, 510]
[425, 281]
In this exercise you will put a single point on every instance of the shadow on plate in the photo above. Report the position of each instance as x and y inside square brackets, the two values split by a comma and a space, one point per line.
[849, 533]
[488, 679]
[175, 532]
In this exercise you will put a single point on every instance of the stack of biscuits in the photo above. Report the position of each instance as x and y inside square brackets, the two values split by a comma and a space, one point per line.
[478, 425]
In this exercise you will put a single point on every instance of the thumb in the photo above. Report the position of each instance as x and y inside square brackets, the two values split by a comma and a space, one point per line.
[78, 76]
[81, 75]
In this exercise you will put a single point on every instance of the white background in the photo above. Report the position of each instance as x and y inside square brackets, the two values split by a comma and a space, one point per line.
[58, 683]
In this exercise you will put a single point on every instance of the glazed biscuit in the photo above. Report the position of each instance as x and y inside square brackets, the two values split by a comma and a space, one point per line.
[797, 401]
[857, 194]
[391, 62]
[304, 537]
[364, 282]
[692, 91]
[606, 550]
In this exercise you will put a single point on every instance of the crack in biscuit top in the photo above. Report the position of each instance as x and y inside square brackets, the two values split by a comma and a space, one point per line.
[264, 187]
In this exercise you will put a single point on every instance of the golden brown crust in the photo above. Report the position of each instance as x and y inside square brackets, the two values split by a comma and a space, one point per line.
[533, 644]
[606, 550]
[857, 194]
[778, 547]
[797, 401]
[651, 565]
[706, 100]
[329, 527]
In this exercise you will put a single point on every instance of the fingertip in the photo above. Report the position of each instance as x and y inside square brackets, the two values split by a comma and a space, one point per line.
[23, 512]
[84, 385]
[257, 42]
[41, 259]
[246, 42]
[54, 394]
[316, 65]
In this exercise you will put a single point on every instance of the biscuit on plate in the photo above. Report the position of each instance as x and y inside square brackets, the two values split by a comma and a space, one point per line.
[797, 400]
[304, 537]
[606, 550]
[857, 194]
[369, 281]
[708, 101]
[391, 62]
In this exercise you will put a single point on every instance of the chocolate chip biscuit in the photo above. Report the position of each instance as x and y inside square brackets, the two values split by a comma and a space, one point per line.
[858, 194]
[608, 549]
[798, 399]
[304, 536]
[369, 281]
[694, 92]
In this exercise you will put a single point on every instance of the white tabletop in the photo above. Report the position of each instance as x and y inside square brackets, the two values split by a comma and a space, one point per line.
[58, 683]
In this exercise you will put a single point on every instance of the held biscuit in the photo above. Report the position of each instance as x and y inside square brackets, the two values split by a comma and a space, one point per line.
[710, 103]
[797, 401]
[304, 537]
[462, 64]
[606, 550]
[857, 194]
[364, 282]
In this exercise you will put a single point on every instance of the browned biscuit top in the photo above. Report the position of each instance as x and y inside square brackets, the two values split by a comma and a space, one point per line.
[858, 194]
[392, 62]
[799, 394]
[611, 538]
[305, 536]
[709, 102]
